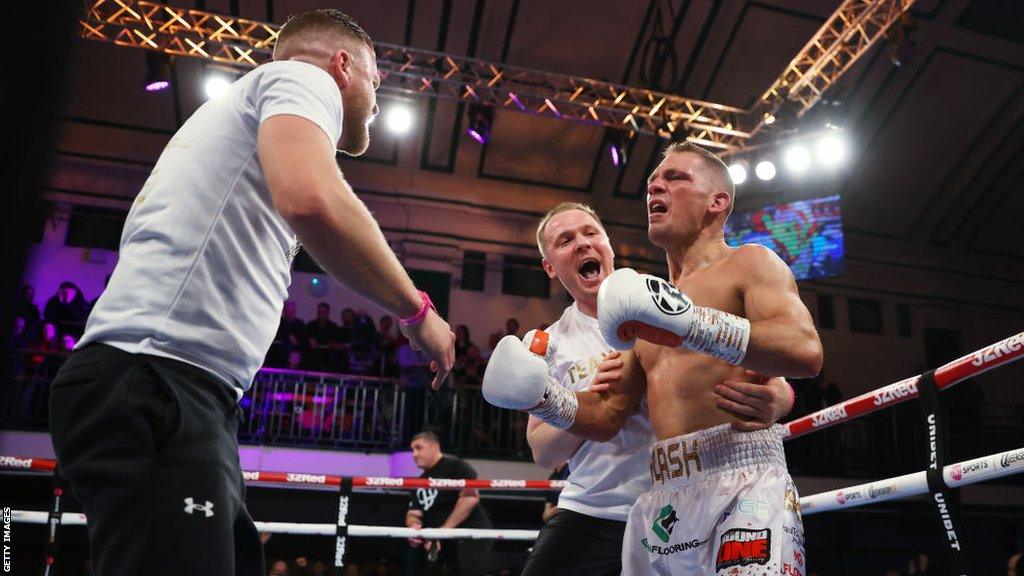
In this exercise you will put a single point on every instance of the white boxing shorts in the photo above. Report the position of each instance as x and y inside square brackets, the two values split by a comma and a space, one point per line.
[721, 502]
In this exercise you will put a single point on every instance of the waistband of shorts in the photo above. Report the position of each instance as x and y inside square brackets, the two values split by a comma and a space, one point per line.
[695, 457]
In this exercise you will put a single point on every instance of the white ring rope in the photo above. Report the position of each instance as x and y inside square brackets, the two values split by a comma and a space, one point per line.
[960, 474]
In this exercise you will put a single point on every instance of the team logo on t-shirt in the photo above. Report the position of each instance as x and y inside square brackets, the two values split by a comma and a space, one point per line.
[664, 523]
[741, 547]
[668, 299]
[426, 497]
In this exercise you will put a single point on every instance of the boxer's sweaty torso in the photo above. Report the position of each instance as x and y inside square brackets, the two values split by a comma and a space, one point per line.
[680, 382]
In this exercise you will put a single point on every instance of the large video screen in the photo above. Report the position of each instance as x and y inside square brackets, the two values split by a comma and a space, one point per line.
[807, 235]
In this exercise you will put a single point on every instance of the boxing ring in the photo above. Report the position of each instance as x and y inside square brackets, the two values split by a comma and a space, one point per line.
[939, 480]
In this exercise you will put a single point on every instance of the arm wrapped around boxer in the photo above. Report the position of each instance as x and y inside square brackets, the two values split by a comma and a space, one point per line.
[632, 305]
[518, 379]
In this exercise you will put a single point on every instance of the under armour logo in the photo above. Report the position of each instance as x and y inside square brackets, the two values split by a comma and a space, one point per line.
[666, 297]
[191, 506]
[426, 497]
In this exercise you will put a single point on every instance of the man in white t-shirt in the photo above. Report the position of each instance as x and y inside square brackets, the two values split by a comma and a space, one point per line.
[143, 415]
[605, 478]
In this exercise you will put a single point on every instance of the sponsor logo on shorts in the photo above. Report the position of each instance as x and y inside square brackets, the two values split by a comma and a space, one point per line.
[829, 415]
[306, 478]
[899, 390]
[378, 481]
[998, 350]
[674, 548]
[1010, 458]
[792, 569]
[665, 523]
[792, 503]
[667, 298]
[742, 547]
[673, 461]
[754, 507]
[12, 462]
[796, 533]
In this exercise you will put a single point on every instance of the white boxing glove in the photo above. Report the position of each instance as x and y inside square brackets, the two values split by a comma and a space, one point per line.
[633, 305]
[518, 379]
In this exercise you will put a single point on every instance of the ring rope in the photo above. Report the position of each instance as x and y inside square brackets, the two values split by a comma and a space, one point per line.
[993, 356]
[960, 474]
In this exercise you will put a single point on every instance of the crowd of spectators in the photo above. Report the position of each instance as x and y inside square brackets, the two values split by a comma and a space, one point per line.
[358, 345]
[46, 336]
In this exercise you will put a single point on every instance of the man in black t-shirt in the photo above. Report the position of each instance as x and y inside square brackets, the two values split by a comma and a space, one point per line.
[433, 508]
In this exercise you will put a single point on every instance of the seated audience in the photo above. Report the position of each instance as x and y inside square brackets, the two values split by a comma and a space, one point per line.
[67, 309]
[26, 307]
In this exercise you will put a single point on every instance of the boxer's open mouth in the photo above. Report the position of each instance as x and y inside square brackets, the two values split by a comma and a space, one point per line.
[656, 207]
[590, 268]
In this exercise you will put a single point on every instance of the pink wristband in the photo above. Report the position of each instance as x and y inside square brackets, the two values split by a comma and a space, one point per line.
[419, 316]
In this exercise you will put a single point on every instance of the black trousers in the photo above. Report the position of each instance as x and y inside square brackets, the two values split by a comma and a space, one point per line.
[149, 446]
[573, 543]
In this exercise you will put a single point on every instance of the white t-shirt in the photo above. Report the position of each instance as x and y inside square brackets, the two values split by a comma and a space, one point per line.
[605, 478]
[205, 258]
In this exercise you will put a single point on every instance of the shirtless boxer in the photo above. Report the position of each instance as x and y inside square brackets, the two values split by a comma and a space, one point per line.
[585, 536]
[732, 488]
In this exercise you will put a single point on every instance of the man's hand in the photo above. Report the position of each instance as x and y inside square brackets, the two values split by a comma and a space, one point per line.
[434, 338]
[433, 548]
[756, 401]
[415, 541]
[608, 372]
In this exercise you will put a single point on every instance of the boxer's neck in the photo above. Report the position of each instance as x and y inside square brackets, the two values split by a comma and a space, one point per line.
[708, 248]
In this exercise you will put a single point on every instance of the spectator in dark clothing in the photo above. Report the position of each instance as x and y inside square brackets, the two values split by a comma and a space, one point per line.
[67, 309]
[469, 369]
[462, 340]
[432, 508]
[362, 335]
[26, 307]
[289, 336]
[321, 334]
[512, 327]
[387, 345]
[20, 335]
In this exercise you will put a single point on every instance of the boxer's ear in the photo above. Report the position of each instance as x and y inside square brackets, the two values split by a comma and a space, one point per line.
[341, 68]
[719, 201]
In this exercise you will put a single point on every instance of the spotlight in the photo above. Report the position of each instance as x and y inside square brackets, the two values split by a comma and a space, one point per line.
[797, 158]
[738, 173]
[765, 170]
[480, 120]
[158, 72]
[617, 148]
[398, 118]
[215, 86]
[831, 150]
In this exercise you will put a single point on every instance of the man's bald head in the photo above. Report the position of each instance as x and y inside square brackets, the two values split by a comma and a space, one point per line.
[318, 34]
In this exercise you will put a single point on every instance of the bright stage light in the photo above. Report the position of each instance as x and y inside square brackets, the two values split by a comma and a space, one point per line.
[215, 86]
[738, 173]
[831, 150]
[797, 158]
[765, 170]
[398, 118]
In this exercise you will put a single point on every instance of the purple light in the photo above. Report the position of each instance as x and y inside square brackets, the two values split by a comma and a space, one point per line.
[615, 155]
[476, 135]
[157, 86]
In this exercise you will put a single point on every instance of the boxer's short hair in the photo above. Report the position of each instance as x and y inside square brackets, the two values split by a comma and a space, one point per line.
[318, 22]
[713, 163]
[563, 207]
